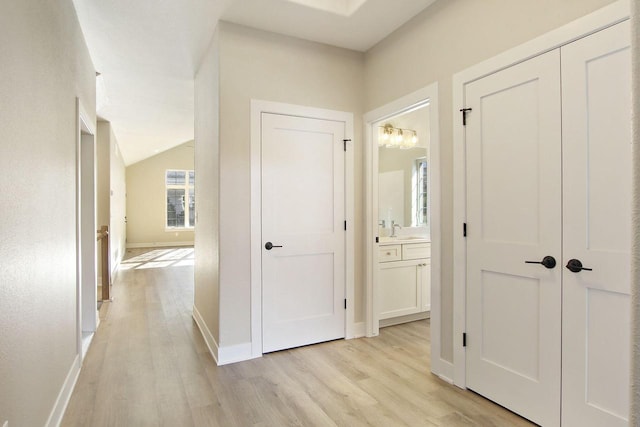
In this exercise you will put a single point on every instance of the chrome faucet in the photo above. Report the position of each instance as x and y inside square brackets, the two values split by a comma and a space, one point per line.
[393, 228]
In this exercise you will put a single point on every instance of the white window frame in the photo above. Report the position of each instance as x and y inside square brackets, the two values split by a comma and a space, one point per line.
[416, 205]
[186, 187]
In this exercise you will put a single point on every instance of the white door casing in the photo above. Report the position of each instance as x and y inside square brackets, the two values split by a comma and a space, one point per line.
[303, 216]
[596, 117]
[513, 206]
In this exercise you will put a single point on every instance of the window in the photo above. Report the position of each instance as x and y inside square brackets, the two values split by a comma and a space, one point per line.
[422, 196]
[181, 198]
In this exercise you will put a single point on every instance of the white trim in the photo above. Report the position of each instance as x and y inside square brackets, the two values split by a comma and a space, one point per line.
[87, 337]
[209, 340]
[157, 245]
[235, 353]
[60, 406]
[582, 27]
[84, 124]
[447, 371]
[399, 320]
[359, 330]
[257, 108]
[403, 104]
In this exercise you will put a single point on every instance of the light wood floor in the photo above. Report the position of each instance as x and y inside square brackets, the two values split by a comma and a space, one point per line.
[149, 366]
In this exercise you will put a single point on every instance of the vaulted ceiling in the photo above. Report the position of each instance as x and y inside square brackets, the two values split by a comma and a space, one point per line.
[147, 52]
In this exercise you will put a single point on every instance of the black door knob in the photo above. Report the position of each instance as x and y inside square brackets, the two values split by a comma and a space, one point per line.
[575, 266]
[547, 261]
[268, 246]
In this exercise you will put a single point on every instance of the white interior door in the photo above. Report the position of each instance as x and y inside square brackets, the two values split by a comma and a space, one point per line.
[303, 214]
[596, 116]
[513, 143]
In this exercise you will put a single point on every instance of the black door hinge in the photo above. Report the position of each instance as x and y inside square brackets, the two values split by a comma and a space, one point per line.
[464, 229]
[345, 226]
[464, 339]
[464, 115]
[377, 239]
[345, 143]
[345, 303]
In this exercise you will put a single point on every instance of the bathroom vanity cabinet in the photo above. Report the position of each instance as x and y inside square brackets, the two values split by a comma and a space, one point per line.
[404, 279]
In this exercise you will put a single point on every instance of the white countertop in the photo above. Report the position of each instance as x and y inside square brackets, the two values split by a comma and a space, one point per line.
[404, 239]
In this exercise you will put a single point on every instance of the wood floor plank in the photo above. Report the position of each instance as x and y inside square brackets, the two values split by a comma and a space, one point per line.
[149, 366]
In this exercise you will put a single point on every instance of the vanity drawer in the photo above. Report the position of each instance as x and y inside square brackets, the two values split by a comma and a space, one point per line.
[389, 253]
[416, 250]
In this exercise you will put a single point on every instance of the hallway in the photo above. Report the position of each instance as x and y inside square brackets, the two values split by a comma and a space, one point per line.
[149, 366]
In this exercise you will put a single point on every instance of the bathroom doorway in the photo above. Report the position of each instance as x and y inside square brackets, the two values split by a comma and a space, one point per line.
[403, 213]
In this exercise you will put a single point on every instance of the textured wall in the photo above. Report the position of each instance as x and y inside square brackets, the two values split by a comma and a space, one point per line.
[45, 66]
[634, 412]
[207, 165]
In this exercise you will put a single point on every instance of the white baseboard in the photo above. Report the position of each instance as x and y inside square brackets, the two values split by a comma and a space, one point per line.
[404, 319]
[158, 245]
[445, 371]
[235, 353]
[212, 345]
[222, 355]
[55, 417]
[359, 330]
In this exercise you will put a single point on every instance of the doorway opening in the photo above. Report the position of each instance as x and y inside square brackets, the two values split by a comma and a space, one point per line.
[86, 262]
[403, 215]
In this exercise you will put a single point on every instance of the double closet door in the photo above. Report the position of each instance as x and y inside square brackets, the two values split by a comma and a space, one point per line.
[548, 214]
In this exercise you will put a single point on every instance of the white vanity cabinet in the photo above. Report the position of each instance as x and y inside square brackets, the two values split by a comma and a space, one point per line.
[404, 279]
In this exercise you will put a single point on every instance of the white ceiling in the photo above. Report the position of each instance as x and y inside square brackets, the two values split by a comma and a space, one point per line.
[147, 52]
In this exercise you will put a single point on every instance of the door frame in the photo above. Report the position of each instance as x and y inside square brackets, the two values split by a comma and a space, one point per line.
[258, 107]
[603, 18]
[427, 95]
[86, 251]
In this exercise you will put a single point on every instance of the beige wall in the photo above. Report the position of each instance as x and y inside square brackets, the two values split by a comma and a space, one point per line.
[111, 192]
[146, 198]
[45, 66]
[117, 202]
[446, 38]
[207, 165]
[260, 65]
[103, 174]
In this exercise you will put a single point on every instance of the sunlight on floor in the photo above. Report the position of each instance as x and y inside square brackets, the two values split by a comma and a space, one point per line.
[160, 258]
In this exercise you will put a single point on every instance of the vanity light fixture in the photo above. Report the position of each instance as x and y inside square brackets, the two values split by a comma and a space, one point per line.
[391, 137]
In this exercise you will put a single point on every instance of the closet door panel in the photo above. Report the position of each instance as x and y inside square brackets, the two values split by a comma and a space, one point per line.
[513, 143]
[596, 106]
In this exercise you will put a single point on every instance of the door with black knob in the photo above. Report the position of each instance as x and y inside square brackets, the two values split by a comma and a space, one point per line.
[596, 116]
[303, 213]
[548, 176]
[513, 230]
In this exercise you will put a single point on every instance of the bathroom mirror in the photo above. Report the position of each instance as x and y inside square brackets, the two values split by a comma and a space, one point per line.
[403, 171]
